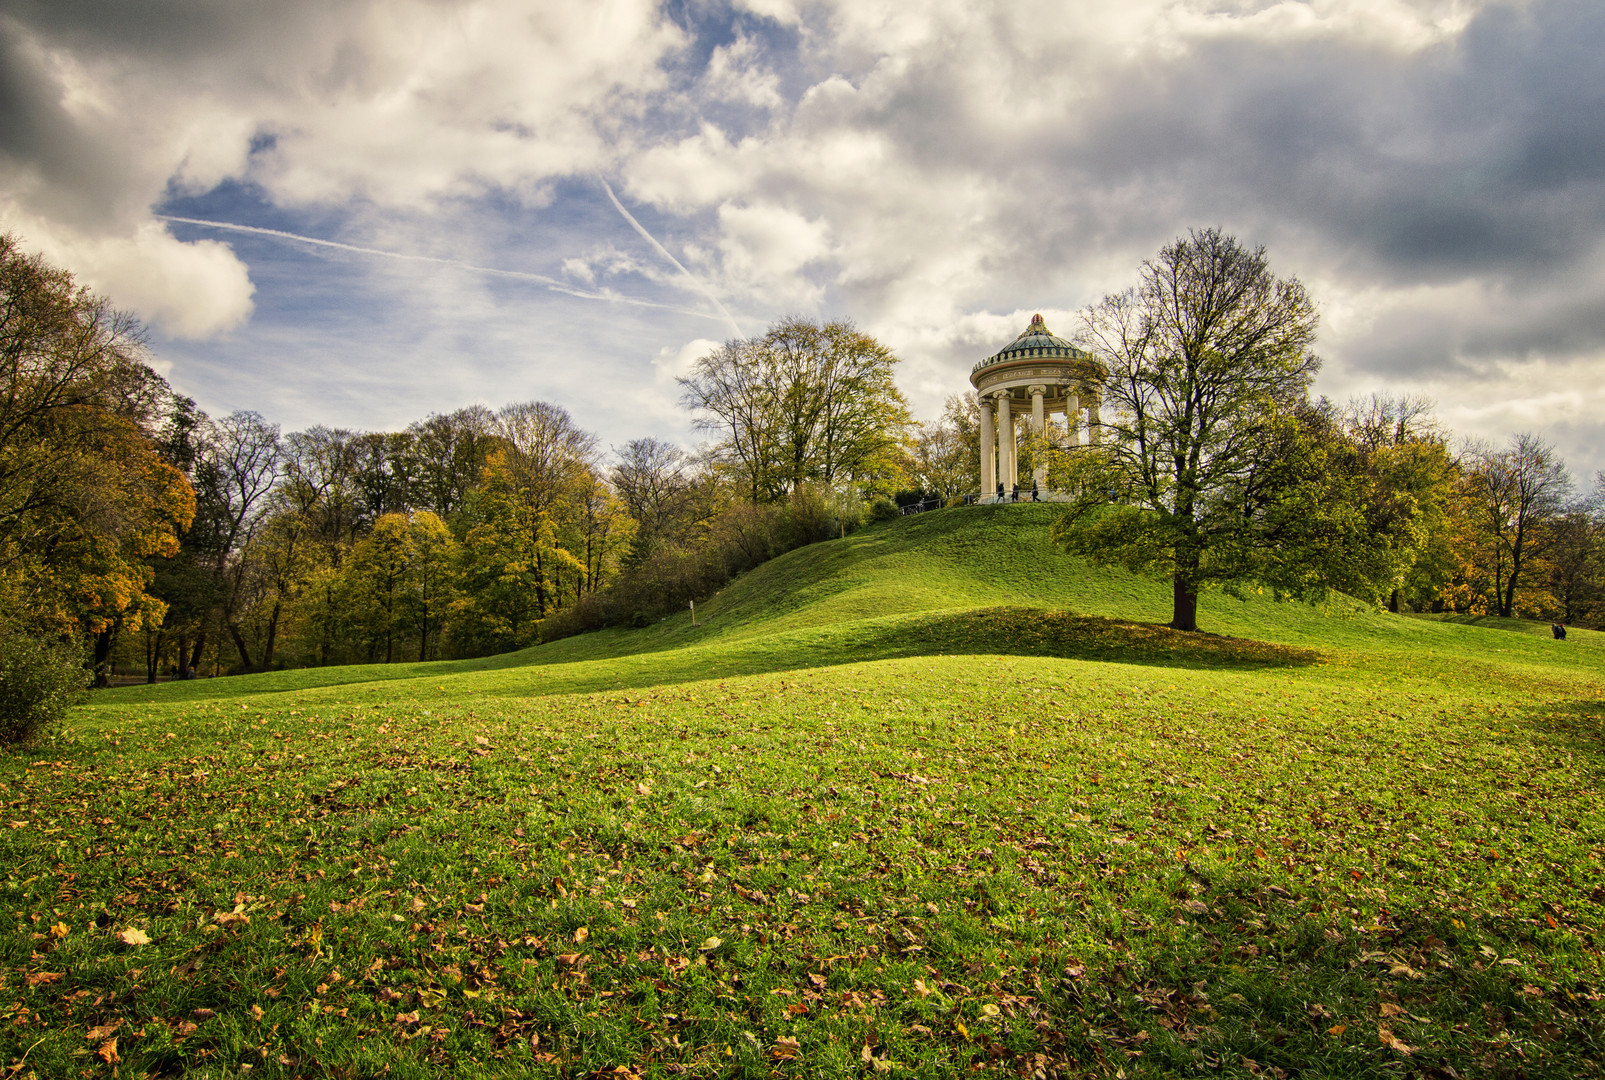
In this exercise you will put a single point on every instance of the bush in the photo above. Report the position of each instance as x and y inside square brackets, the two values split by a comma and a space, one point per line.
[884, 510]
[38, 681]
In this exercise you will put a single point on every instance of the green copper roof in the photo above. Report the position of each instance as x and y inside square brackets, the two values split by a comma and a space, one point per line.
[1035, 341]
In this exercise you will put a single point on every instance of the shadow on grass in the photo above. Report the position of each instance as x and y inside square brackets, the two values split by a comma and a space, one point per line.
[1530, 627]
[1000, 631]
[1266, 983]
[1578, 725]
[562, 668]
[1023, 631]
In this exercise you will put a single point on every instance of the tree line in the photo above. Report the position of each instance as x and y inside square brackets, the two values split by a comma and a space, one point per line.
[164, 540]
[1218, 468]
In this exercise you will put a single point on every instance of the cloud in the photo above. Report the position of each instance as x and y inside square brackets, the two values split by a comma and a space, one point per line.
[939, 171]
[400, 103]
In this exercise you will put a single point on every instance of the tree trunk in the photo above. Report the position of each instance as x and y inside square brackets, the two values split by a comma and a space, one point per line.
[1184, 609]
[272, 636]
[1507, 602]
[1393, 602]
[103, 643]
[241, 647]
[153, 656]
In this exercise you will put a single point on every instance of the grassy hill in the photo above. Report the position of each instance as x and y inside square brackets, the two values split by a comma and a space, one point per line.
[928, 800]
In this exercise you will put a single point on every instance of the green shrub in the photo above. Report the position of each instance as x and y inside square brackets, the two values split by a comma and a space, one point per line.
[38, 681]
[883, 510]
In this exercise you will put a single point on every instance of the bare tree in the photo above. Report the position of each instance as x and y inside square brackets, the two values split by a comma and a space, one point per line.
[238, 467]
[1206, 355]
[1517, 494]
[658, 485]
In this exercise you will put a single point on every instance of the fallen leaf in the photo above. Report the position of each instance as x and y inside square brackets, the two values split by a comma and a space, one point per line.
[203, 1014]
[1196, 907]
[133, 936]
[60, 930]
[921, 989]
[103, 1032]
[1392, 1041]
[1337, 1029]
[785, 1049]
[1390, 1009]
[643, 789]
[711, 944]
[581, 935]
[42, 978]
[108, 1052]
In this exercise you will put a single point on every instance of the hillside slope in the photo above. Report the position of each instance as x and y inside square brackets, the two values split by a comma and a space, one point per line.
[925, 801]
[922, 585]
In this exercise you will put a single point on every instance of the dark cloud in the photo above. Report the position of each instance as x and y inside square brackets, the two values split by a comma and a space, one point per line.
[1485, 155]
[42, 149]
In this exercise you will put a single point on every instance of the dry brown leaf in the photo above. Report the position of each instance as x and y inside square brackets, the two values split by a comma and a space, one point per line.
[103, 1032]
[133, 936]
[43, 978]
[1393, 1042]
[108, 1052]
[582, 935]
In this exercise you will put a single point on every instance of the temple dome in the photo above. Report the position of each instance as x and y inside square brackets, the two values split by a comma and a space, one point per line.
[1034, 341]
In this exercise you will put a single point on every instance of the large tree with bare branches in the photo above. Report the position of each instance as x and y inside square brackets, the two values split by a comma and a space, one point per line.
[1209, 356]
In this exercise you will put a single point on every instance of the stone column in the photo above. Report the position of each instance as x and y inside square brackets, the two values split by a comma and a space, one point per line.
[1005, 445]
[989, 451]
[1072, 415]
[1039, 425]
[1094, 425]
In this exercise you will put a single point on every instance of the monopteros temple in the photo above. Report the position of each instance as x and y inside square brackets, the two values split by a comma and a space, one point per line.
[1046, 375]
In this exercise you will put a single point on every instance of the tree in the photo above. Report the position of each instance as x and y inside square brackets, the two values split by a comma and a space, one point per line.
[806, 403]
[662, 493]
[1408, 490]
[237, 469]
[1577, 565]
[449, 452]
[945, 457]
[86, 497]
[1208, 357]
[1516, 495]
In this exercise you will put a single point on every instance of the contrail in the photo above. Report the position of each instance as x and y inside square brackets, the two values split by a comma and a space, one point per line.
[695, 283]
[551, 283]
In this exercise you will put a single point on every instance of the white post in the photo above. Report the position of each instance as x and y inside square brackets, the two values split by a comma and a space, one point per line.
[1006, 446]
[1039, 424]
[1072, 416]
[989, 450]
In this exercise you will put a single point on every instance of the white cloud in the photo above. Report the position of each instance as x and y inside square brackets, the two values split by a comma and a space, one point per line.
[187, 290]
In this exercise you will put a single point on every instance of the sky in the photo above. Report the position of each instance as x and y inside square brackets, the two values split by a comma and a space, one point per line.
[359, 212]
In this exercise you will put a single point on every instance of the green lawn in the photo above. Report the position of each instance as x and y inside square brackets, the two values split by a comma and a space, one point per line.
[928, 801]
